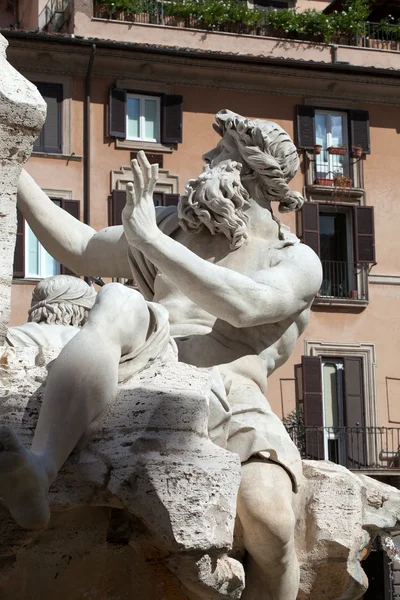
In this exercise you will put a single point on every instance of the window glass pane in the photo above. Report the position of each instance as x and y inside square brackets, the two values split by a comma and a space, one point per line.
[32, 252]
[49, 266]
[320, 130]
[337, 130]
[330, 383]
[133, 112]
[150, 119]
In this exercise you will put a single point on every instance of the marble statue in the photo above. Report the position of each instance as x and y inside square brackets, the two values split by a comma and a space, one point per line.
[59, 308]
[226, 287]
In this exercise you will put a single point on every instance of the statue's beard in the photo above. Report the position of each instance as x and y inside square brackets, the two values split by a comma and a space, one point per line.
[216, 200]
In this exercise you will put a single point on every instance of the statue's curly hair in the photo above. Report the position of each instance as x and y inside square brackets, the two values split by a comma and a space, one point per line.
[270, 159]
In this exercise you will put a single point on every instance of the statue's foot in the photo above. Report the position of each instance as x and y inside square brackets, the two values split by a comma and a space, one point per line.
[23, 482]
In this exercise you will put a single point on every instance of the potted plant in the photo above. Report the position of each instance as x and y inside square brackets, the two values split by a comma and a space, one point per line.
[323, 181]
[317, 149]
[357, 151]
[341, 150]
[342, 181]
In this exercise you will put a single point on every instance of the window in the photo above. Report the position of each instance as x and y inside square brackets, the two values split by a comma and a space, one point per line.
[117, 202]
[31, 260]
[336, 141]
[50, 138]
[142, 118]
[343, 237]
[145, 117]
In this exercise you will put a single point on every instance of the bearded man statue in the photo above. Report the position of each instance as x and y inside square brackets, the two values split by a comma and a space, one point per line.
[223, 283]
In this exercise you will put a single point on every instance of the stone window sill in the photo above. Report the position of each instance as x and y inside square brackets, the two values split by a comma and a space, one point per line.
[340, 302]
[67, 157]
[349, 194]
[27, 280]
[146, 146]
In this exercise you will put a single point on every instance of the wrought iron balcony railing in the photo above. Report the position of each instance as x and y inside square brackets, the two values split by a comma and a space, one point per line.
[356, 448]
[165, 12]
[343, 279]
[54, 15]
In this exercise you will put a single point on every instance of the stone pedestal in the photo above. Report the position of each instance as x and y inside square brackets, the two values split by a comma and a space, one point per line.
[22, 114]
[146, 490]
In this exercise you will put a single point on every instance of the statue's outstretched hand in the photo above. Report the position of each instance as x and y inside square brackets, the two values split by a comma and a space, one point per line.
[138, 215]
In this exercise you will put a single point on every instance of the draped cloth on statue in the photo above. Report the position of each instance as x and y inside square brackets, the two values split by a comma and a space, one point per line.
[241, 419]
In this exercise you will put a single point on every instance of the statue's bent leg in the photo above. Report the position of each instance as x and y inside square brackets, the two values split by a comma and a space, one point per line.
[266, 514]
[82, 381]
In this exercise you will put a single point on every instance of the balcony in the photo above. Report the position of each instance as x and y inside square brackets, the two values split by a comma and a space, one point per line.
[368, 449]
[344, 280]
[54, 15]
[335, 170]
[246, 21]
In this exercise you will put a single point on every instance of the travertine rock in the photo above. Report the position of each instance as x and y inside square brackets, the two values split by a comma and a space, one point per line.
[149, 456]
[146, 490]
[339, 514]
[22, 114]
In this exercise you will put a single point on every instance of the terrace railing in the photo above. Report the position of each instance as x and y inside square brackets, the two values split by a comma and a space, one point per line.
[343, 279]
[54, 15]
[356, 448]
[161, 12]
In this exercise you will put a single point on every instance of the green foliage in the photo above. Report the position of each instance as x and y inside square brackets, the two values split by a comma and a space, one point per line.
[310, 24]
[294, 425]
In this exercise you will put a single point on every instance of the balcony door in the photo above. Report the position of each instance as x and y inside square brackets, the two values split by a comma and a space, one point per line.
[336, 252]
[343, 411]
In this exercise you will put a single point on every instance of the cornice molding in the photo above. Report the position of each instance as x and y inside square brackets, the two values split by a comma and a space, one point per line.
[201, 72]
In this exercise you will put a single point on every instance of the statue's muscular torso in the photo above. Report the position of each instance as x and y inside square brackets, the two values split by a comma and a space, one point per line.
[274, 342]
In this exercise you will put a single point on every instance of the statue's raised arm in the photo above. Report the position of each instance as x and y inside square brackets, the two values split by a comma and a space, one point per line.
[71, 242]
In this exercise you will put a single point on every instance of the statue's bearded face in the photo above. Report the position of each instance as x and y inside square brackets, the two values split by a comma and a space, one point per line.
[217, 200]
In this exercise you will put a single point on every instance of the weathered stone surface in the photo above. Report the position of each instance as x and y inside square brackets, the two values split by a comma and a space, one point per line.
[149, 458]
[22, 114]
[339, 514]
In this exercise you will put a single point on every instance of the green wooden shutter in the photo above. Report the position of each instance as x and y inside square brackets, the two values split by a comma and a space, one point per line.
[171, 199]
[308, 225]
[117, 203]
[364, 234]
[313, 407]
[354, 406]
[305, 127]
[172, 110]
[117, 113]
[19, 252]
[359, 129]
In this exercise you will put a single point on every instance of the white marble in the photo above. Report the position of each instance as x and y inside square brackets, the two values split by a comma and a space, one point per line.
[223, 283]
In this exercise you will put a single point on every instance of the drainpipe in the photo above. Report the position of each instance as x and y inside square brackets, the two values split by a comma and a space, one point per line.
[86, 141]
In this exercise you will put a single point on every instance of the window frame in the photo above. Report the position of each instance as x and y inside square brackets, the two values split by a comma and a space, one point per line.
[42, 148]
[142, 98]
[42, 252]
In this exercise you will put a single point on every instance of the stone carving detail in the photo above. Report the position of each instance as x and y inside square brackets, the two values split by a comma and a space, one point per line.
[22, 114]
